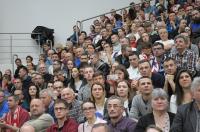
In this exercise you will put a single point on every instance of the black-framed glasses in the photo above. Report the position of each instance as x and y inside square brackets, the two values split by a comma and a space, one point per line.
[59, 108]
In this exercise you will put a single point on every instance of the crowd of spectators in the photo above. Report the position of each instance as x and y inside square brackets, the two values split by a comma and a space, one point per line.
[136, 71]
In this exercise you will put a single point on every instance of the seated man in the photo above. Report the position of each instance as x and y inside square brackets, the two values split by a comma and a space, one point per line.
[39, 120]
[141, 103]
[47, 97]
[75, 110]
[16, 116]
[118, 122]
[64, 123]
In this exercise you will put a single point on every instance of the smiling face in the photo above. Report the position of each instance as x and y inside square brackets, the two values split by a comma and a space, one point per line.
[185, 80]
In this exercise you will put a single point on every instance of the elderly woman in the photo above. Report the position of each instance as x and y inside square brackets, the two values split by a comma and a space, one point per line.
[160, 117]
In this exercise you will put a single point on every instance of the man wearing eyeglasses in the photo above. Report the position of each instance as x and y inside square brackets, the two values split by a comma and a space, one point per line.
[64, 123]
[117, 122]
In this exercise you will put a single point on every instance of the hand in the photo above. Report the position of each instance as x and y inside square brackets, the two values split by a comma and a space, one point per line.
[169, 77]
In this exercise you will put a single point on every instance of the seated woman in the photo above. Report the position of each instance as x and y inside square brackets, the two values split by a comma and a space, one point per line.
[98, 96]
[183, 93]
[160, 117]
[89, 110]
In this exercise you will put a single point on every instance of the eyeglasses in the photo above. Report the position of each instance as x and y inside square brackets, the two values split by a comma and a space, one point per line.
[89, 108]
[59, 108]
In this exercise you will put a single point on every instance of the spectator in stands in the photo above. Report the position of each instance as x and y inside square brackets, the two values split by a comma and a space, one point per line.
[47, 97]
[121, 73]
[3, 105]
[186, 119]
[98, 64]
[100, 127]
[61, 77]
[26, 80]
[98, 35]
[185, 58]
[48, 61]
[183, 90]
[160, 117]
[42, 69]
[84, 91]
[16, 116]
[98, 96]
[75, 110]
[78, 52]
[7, 84]
[117, 122]
[39, 82]
[55, 59]
[123, 58]
[58, 87]
[22, 102]
[141, 103]
[90, 49]
[84, 58]
[145, 71]
[158, 58]
[170, 75]
[153, 128]
[89, 109]
[39, 120]
[195, 24]
[123, 91]
[18, 63]
[46, 47]
[133, 71]
[64, 123]
[115, 43]
[31, 68]
[17, 85]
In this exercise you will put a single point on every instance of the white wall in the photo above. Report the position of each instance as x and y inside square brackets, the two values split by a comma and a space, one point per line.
[61, 15]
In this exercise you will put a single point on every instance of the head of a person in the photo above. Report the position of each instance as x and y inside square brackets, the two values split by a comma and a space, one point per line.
[114, 38]
[23, 72]
[13, 101]
[50, 85]
[195, 88]
[94, 58]
[89, 109]
[61, 109]
[79, 51]
[19, 93]
[140, 30]
[146, 48]
[57, 65]
[18, 83]
[29, 59]
[145, 85]
[170, 66]
[18, 62]
[33, 91]
[115, 107]
[46, 96]
[37, 108]
[98, 77]
[100, 127]
[144, 68]
[39, 80]
[125, 41]
[42, 68]
[195, 15]
[88, 73]
[182, 24]
[133, 59]
[84, 58]
[158, 49]
[121, 72]
[159, 100]
[123, 89]
[75, 73]
[145, 37]
[181, 42]
[183, 81]
[68, 95]
[163, 34]
[58, 86]
[55, 57]
[107, 47]
[98, 92]
[153, 128]
[26, 128]
[2, 96]
[90, 49]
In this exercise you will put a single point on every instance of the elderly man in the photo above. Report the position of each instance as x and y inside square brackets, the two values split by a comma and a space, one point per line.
[75, 110]
[39, 120]
[187, 118]
[64, 123]
[118, 122]
[47, 97]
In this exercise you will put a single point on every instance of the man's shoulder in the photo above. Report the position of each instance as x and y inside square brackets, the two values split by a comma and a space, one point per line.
[185, 107]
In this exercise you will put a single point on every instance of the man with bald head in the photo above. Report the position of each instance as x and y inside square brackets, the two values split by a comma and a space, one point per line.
[75, 111]
[39, 120]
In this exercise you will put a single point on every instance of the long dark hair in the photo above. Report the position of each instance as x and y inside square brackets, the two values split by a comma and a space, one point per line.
[178, 88]
[37, 92]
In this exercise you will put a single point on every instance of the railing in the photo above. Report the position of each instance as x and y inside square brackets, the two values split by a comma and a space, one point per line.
[11, 42]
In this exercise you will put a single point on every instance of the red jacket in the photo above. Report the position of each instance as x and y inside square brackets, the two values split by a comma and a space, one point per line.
[70, 125]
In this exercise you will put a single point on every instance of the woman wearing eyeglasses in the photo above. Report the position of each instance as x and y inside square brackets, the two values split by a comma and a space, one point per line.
[89, 110]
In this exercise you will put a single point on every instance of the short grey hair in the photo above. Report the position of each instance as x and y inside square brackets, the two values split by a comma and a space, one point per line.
[49, 92]
[118, 98]
[185, 39]
[159, 92]
[195, 84]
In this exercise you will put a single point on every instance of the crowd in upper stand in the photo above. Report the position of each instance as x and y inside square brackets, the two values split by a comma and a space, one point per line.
[135, 71]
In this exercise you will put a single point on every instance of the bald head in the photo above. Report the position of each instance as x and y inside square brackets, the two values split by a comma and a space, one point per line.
[68, 95]
[37, 108]
[26, 128]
